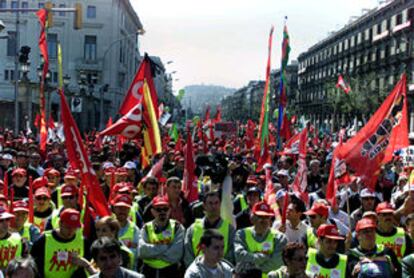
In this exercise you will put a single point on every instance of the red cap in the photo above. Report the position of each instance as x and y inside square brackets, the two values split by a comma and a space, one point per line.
[121, 171]
[122, 200]
[42, 191]
[2, 197]
[52, 171]
[4, 214]
[19, 171]
[68, 190]
[329, 231]
[109, 171]
[262, 209]
[122, 187]
[70, 174]
[40, 182]
[318, 209]
[20, 206]
[365, 223]
[384, 207]
[251, 180]
[159, 201]
[70, 217]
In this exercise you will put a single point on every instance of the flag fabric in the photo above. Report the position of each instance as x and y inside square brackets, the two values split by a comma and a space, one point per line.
[341, 84]
[36, 122]
[129, 125]
[42, 16]
[151, 131]
[375, 143]
[79, 160]
[269, 189]
[109, 123]
[136, 90]
[336, 170]
[301, 182]
[189, 179]
[178, 145]
[250, 133]
[156, 170]
[217, 118]
[292, 145]
[411, 181]
[262, 143]
[285, 131]
[283, 81]
[226, 207]
[207, 115]
[173, 132]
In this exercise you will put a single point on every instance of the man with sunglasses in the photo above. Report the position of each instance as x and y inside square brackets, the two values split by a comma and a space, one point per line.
[369, 259]
[161, 242]
[325, 261]
[260, 244]
[389, 234]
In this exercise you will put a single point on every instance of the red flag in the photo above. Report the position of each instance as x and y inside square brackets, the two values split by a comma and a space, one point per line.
[250, 134]
[135, 92]
[79, 160]
[341, 84]
[128, 125]
[51, 123]
[156, 170]
[285, 131]
[109, 123]
[217, 118]
[207, 115]
[301, 182]
[190, 191]
[375, 143]
[178, 145]
[292, 146]
[269, 185]
[42, 16]
[36, 122]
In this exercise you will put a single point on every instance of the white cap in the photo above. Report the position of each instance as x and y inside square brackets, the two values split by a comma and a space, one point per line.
[7, 156]
[129, 165]
[107, 165]
[283, 173]
[366, 193]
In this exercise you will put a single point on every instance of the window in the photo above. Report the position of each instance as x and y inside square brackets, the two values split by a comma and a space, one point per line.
[14, 5]
[6, 75]
[3, 4]
[55, 77]
[62, 6]
[90, 48]
[399, 19]
[11, 74]
[25, 5]
[52, 45]
[11, 43]
[41, 5]
[91, 12]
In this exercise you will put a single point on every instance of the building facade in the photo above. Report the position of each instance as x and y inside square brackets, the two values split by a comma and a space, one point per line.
[99, 60]
[371, 53]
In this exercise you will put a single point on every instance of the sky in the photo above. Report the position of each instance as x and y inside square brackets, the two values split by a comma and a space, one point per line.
[224, 42]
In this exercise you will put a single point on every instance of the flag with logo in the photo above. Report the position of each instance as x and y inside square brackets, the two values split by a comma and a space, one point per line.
[341, 84]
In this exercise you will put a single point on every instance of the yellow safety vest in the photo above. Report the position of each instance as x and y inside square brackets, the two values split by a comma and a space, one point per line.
[132, 216]
[40, 223]
[198, 230]
[57, 258]
[242, 200]
[10, 248]
[165, 237]
[128, 237]
[265, 247]
[395, 242]
[313, 267]
[311, 238]
[25, 232]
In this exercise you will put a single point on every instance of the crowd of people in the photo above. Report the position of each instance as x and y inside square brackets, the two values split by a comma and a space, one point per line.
[47, 228]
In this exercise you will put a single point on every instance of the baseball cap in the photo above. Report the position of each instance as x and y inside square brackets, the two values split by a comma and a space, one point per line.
[40, 182]
[4, 214]
[19, 171]
[251, 180]
[384, 207]
[253, 189]
[42, 191]
[122, 200]
[70, 174]
[68, 190]
[107, 165]
[329, 231]
[70, 217]
[129, 165]
[159, 201]
[366, 193]
[121, 171]
[262, 209]
[21, 206]
[7, 156]
[318, 209]
[365, 223]
[283, 173]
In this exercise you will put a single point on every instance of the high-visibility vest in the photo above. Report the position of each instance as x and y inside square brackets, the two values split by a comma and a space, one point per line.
[311, 238]
[313, 267]
[25, 231]
[132, 216]
[10, 248]
[165, 237]
[40, 223]
[198, 230]
[265, 247]
[242, 200]
[128, 237]
[57, 258]
[395, 242]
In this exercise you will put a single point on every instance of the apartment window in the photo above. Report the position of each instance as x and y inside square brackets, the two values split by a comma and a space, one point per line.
[41, 5]
[399, 19]
[52, 40]
[6, 75]
[3, 4]
[90, 48]
[11, 43]
[14, 5]
[25, 5]
[91, 12]
[379, 31]
[62, 6]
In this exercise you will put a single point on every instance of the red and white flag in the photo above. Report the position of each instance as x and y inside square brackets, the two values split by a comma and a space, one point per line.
[341, 84]
[129, 125]
[301, 181]
[375, 143]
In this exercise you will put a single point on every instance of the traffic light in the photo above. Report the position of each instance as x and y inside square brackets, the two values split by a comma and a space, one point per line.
[77, 23]
[24, 54]
[48, 7]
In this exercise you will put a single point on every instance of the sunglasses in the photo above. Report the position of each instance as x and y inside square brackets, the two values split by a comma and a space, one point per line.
[161, 209]
[42, 198]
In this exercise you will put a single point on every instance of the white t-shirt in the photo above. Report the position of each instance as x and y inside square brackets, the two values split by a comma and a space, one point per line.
[292, 234]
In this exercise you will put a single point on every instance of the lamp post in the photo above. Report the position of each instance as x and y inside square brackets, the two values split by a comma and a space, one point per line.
[25, 67]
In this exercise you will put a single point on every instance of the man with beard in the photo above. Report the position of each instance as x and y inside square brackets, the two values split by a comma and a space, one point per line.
[161, 242]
